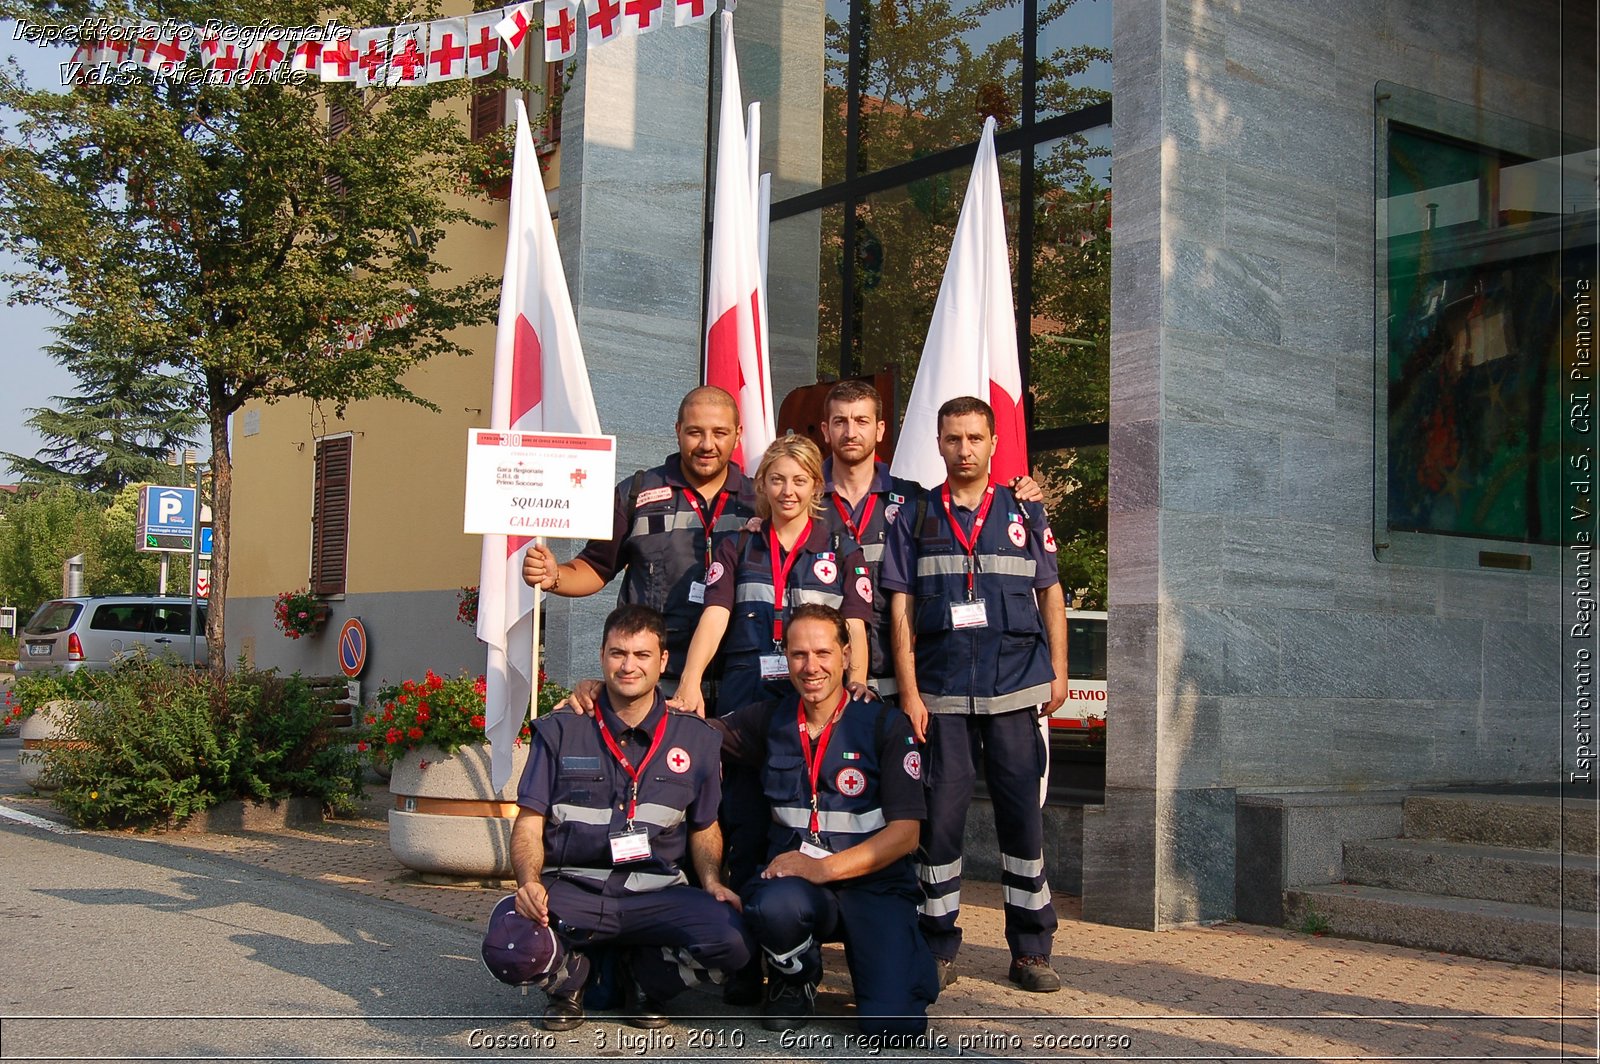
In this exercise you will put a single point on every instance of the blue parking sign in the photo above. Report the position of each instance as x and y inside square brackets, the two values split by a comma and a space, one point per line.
[167, 519]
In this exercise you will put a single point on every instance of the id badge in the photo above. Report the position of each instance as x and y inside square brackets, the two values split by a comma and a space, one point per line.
[630, 846]
[968, 615]
[811, 849]
[697, 593]
[774, 667]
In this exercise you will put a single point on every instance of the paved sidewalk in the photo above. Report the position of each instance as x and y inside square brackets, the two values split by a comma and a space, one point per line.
[1231, 991]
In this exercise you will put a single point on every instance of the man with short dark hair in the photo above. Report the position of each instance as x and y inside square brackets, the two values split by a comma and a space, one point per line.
[663, 522]
[610, 806]
[980, 649]
[862, 500]
[844, 781]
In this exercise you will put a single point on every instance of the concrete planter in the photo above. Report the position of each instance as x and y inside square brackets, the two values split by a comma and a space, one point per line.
[41, 734]
[448, 823]
[237, 816]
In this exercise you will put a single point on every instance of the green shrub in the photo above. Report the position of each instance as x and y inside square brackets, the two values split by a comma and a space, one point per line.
[154, 742]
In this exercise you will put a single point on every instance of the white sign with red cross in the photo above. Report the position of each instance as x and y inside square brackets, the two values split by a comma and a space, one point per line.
[528, 484]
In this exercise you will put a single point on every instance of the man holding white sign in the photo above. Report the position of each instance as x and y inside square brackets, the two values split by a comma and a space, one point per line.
[663, 523]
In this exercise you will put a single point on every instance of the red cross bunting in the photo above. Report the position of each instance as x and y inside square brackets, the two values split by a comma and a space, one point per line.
[519, 19]
[226, 60]
[643, 10]
[485, 47]
[146, 47]
[373, 59]
[409, 59]
[119, 50]
[447, 54]
[342, 56]
[562, 31]
[604, 17]
[697, 8]
[269, 55]
[173, 51]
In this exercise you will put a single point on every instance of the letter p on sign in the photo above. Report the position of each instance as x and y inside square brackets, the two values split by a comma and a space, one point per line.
[168, 509]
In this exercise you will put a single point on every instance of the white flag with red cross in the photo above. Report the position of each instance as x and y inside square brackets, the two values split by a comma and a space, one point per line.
[306, 58]
[447, 49]
[641, 16]
[89, 53]
[145, 43]
[339, 61]
[372, 55]
[560, 29]
[541, 384]
[408, 55]
[686, 11]
[516, 26]
[734, 359]
[972, 340]
[221, 57]
[116, 51]
[264, 57]
[605, 20]
[483, 45]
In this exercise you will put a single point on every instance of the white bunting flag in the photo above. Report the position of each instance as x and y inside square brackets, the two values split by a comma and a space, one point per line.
[515, 27]
[116, 51]
[372, 50]
[306, 58]
[560, 29]
[339, 61]
[145, 44]
[447, 49]
[221, 58]
[483, 47]
[641, 16]
[408, 56]
[88, 54]
[686, 11]
[605, 20]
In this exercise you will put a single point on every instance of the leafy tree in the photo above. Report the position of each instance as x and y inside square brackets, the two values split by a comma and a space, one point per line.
[120, 567]
[117, 430]
[220, 234]
[39, 533]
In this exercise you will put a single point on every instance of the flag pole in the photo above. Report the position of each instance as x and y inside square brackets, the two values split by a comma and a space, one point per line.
[538, 611]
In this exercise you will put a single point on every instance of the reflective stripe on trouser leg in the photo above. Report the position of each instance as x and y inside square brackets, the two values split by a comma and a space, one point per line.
[1013, 758]
[677, 938]
[947, 780]
[790, 918]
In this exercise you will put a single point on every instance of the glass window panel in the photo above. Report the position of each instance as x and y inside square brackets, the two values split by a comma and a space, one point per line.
[803, 291]
[836, 69]
[1074, 481]
[1071, 321]
[931, 69]
[1074, 56]
[903, 239]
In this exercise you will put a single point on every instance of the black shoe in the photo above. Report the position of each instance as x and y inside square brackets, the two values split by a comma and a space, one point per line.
[790, 1005]
[947, 971]
[746, 986]
[562, 1014]
[642, 1009]
[1034, 974]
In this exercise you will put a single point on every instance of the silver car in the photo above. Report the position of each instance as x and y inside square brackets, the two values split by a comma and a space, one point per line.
[92, 633]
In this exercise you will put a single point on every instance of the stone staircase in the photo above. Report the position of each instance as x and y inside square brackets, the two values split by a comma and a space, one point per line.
[1505, 877]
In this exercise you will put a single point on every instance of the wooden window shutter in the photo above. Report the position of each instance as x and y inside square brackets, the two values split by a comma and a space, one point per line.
[330, 516]
[338, 122]
[489, 107]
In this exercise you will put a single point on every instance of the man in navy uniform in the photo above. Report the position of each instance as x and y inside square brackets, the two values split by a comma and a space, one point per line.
[844, 781]
[611, 804]
[863, 501]
[980, 649]
[663, 521]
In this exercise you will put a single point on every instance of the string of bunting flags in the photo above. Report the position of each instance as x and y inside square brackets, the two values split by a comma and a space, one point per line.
[445, 49]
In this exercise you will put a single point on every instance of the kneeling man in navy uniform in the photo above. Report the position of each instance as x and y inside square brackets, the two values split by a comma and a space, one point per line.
[844, 781]
[610, 806]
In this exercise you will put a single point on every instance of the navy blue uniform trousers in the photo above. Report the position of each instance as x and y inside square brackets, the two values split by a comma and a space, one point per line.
[890, 966]
[671, 938]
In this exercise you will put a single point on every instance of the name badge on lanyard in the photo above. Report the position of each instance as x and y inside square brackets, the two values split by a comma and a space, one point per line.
[630, 845]
[774, 667]
[811, 849]
[964, 615]
[697, 593]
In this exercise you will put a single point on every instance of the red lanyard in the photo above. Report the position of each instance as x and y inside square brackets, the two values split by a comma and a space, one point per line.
[968, 545]
[622, 759]
[700, 512]
[866, 514]
[780, 575]
[814, 768]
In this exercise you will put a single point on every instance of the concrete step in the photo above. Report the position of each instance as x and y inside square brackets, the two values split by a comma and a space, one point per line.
[1513, 820]
[1462, 870]
[1495, 930]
